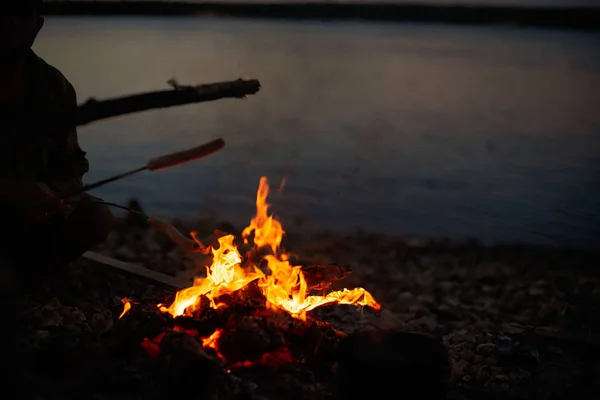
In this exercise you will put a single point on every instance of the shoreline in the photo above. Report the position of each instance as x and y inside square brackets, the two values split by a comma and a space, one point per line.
[206, 224]
[581, 18]
[136, 243]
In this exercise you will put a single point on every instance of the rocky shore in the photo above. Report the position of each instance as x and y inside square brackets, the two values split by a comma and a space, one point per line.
[518, 322]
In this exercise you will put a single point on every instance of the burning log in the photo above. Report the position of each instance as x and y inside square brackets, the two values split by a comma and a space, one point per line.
[252, 310]
[314, 341]
[320, 277]
[248, 339]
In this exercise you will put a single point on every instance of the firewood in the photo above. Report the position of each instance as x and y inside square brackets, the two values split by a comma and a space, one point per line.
[247, 338]
[94, 110]
[137, 270]
[320, 277]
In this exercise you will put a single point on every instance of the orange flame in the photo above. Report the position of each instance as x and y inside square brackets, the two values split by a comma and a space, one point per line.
[224, 276]
[284, 288]
[126, 306]
[268, 232]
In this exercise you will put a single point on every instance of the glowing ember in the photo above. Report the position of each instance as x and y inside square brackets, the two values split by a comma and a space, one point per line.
[151, 347]
[211, 341]
[284, 288]
[126, 306]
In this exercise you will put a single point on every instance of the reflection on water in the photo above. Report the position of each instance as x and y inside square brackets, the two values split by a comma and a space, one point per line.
[426, 130]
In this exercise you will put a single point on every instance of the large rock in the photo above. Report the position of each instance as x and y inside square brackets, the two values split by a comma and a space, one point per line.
[392, 364]
[189, 369]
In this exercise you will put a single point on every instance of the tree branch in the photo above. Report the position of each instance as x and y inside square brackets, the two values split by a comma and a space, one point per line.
[94, 110]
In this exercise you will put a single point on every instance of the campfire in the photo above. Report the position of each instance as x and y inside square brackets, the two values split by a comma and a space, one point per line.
[253, 305]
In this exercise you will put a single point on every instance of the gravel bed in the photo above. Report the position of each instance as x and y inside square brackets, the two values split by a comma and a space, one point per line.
[518, 322]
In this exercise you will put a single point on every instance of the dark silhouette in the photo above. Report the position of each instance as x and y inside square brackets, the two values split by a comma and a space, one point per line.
[39, 161]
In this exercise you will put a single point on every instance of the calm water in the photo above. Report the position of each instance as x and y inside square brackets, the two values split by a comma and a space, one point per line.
[411, 129]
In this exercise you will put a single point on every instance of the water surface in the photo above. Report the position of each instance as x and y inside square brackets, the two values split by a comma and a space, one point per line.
[422, 130]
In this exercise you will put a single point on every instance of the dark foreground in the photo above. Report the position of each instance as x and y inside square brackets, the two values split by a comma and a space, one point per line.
[578, 18]
[518, 322]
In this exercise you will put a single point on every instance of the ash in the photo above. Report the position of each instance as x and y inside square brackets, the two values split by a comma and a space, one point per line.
[518, 322]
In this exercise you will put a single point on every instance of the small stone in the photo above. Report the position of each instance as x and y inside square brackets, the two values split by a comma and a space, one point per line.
[501, 378]
[78, 316]
[39, 336]
[458, 370]
[109, 319]
[458, 337]
[484, 325]
[446, 313]
[125, 253]
[467, 355]
[536, 291]
[98, 322]
[491, 361]
[417, 242]
[490, 290]
[49, 316]
[518, 297]
[151, 244]
[555, 350]
[486, 348]
[406, 297]
[446, 286]
[53, 303]
[520, 376]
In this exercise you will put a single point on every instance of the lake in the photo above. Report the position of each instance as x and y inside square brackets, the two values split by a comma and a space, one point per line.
[426, 130]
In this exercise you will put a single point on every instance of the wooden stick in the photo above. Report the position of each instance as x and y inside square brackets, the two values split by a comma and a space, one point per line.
[169, 160]
[167, 281]
[94, 110]
[181, 157]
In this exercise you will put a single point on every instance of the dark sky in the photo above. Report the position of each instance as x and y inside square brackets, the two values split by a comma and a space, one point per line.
[563, 3]
[517, 2]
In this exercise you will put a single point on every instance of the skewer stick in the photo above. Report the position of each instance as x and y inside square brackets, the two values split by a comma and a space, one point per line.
[162, 162]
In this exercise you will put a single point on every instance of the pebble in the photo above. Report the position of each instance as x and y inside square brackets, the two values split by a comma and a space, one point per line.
[486, 348]
[467, 355]
[478, 359]
[491, 361]
[49, 316]
[125, 253]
